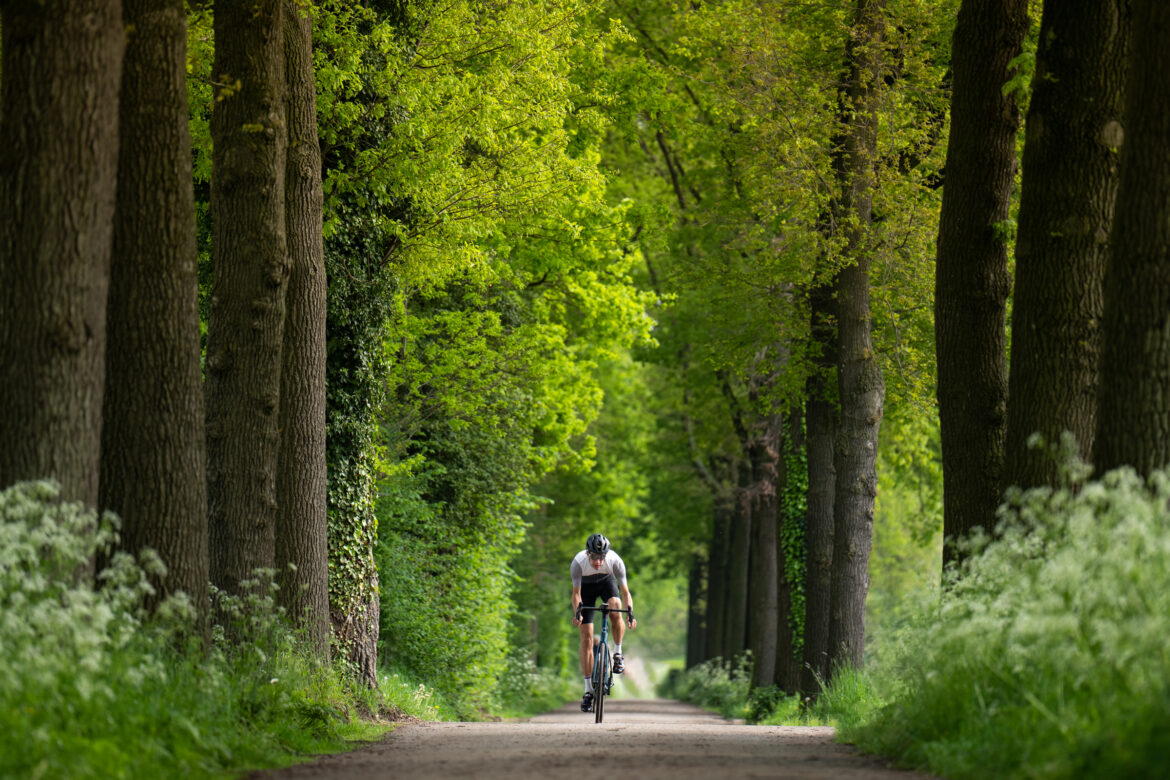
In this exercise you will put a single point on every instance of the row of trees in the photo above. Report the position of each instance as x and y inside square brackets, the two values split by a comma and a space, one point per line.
[428, 313]
[408, 272]
[786, 155]
[781, 200]
[103, 363]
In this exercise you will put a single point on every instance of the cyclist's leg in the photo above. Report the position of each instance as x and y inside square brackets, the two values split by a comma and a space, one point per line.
[617, 622]
[587, 648]
[619, 630]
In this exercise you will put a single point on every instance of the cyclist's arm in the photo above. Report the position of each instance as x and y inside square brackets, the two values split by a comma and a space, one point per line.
[576, 602]
[628, 603]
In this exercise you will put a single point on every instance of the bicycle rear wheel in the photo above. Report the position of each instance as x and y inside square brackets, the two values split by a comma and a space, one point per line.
[599, 690]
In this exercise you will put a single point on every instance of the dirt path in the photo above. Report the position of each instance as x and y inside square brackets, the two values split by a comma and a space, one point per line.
[654, 739]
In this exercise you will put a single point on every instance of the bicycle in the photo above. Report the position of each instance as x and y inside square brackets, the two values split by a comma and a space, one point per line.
[602, 671]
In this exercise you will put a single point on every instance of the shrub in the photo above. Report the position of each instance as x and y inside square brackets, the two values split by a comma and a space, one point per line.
[716, 684]
[1046, 656]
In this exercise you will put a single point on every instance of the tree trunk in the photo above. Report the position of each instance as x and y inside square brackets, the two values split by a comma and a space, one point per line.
[246, 321]
[821, 431]
[717, 580]
[1133, 425]
[971, 277]
[788, 612]
[762, 598]
[355, 385]
[153, 447]
[735, 638]
[696, 631]
[1074, 130]
[302, 561]
[860, 384]
[61, 68]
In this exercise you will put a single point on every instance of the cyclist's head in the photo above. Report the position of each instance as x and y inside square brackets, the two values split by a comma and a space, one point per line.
[597, 546]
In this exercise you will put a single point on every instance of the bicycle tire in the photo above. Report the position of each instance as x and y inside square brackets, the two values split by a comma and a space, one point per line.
[599, 694]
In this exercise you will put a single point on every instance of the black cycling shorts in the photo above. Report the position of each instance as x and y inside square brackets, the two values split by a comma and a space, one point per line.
[605, 588]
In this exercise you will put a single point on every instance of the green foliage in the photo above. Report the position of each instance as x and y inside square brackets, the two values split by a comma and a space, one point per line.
[793, 521]
[1045, 656]
[92, 687]
[907, 529]
[403, 691]
[853, 696]
[445, 587]
[358, 305]
[719, 685]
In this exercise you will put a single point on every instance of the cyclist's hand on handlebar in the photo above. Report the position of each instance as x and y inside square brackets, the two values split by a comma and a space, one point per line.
[577, 619]
[631, 621]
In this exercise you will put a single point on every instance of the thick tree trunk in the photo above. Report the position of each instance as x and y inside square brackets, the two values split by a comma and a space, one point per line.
[1133, 425]
[246, 321]
[821, 428]
[762, 597]
[717, 579]
[153, 446]
[971, 277]
[735, 638]
[302, 561]
[1074, 130]
[61, 69]
[860, 384]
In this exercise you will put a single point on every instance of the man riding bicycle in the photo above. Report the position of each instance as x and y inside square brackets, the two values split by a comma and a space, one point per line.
[598, 572]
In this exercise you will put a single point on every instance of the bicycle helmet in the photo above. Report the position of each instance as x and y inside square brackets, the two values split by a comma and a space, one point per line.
[597, 545]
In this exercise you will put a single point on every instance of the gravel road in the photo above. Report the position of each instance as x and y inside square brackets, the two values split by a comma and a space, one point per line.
[641, 738]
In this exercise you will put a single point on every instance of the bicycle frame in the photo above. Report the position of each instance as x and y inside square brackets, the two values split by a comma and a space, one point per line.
[602, 671]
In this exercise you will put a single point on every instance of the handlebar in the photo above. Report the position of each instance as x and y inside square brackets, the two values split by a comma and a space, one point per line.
[605, 610]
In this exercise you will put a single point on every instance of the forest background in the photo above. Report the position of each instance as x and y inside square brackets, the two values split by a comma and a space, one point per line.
[671, 272]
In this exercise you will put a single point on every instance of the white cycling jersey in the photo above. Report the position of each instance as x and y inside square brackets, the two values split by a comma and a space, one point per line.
[581, 570]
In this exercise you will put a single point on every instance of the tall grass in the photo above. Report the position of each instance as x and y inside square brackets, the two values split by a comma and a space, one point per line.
[90, 686]
[1047, 656]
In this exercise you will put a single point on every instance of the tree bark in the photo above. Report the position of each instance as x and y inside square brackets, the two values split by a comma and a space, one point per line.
[735, 638]
[971, 277]
[762, 597]
[246, 320]
[860, 384]
[696, 630]
[61, 70]
[153, 447]
[1133, 425]
[1070, 174]
[821, 428]
[302, 524]
[717, 579]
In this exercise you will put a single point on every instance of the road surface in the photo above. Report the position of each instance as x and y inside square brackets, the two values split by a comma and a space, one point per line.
[654, 739]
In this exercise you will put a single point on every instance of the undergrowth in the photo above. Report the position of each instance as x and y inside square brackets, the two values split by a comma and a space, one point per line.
[90, 686]
[1044, 656]
[1047, 655]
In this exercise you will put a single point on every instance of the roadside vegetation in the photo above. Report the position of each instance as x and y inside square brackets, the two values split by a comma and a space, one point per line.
[93, 687]
[1044, 655]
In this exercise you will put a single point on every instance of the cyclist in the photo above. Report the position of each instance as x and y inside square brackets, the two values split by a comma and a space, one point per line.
[598, 572]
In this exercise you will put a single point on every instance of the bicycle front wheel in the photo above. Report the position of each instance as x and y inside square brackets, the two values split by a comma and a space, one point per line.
[599, 690]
